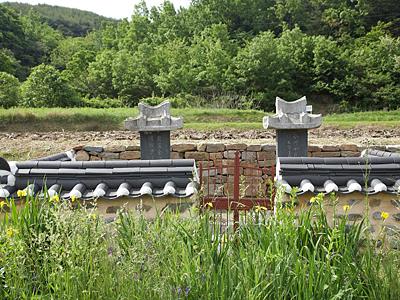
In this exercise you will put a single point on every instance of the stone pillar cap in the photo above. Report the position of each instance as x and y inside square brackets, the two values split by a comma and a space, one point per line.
[154, 118]
[292, 115]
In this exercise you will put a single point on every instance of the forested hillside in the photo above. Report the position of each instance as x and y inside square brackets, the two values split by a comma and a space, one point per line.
[70, 21]
[222, 53]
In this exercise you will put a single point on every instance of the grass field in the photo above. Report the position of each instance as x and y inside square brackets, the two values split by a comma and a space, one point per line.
[58, 119]
[50, 251]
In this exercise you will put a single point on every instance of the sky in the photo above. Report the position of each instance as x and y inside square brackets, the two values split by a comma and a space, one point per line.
[110, 8]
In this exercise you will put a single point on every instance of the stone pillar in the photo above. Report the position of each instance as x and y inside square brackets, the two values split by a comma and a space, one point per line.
[154, 124]
[292, 122]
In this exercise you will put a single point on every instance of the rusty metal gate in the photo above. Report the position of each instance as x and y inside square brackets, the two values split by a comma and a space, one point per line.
[237, 186]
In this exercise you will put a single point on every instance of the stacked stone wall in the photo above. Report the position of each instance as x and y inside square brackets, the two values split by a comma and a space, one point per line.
[206, 152]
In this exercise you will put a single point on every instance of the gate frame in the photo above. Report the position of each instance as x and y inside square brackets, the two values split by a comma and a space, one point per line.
[236, 203]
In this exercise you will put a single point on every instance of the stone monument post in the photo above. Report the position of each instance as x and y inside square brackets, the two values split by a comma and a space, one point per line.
[154, 124]
[292, 122]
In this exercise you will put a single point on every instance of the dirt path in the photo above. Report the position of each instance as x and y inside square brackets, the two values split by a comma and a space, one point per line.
[31, 145]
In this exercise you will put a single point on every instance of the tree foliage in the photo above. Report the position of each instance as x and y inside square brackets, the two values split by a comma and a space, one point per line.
[239, 53]
[9, 90]
[45, 87]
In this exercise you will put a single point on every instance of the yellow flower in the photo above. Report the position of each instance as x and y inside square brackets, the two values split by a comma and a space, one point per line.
[313, 199]
[384, 215]
[259, 208]
[93, 216]
[209, 205]
[2, 204]
[55, 199]
[10, 232]
[21, 193]
[346, 208]
[73, 198]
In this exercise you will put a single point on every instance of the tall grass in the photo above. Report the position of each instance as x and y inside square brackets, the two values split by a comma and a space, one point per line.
[50, 250]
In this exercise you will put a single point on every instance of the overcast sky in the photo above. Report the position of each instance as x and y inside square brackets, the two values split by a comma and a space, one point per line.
[109, 8]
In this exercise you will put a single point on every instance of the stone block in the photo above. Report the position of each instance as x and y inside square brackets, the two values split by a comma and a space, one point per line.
[314, 149]
[78, 147]
[252, 172]
[215, 148]
[130, 155]
[205, 163]
[183, 147]
[238, 146]
[374, 202]
[396, 217]
[265, 155]
[231, 170]
[327, 148]
[177, 155]
[325, 154]
[391, 230]
[201, 147]
[230, 154]
[249, 155]
[196, 155]
[254, 148]
[109, 155]
[115, 148]
[93, 149]
[349, 147]
[94, 158]
[349, 154]
[216, 156]
[112, 209]
[377, 215]
[268, 147]
[133, 148]
[267, 163]
[82, 155]
[395, 203]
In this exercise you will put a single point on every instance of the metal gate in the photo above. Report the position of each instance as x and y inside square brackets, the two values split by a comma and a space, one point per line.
[237, 186]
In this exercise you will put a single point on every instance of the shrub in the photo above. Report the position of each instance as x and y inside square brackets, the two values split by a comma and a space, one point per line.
[45, 87]
[176, 102]
[9, 90]
[102, 103]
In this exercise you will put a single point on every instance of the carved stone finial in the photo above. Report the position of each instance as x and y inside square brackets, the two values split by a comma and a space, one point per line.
[292, 115]
[154, 118]
[292, 121]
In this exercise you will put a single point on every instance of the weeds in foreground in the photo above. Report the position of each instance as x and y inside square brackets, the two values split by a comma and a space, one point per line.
[48, 250]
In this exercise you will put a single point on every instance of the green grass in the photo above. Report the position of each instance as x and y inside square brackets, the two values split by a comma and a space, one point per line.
[81, 119]
[50, 251]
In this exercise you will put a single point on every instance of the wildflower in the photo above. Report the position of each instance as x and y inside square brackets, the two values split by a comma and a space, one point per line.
[73, 198]
[21, 193]
[2, 204]
[384, 215]
[346, 208]
[259, 208]
[55, 199]
[93, 216]
[209, 205]
[10, 232]
[313, 199]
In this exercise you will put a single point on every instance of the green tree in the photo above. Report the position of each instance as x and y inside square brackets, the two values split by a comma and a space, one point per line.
[262, 71]
[174, 74]
[211, 55]
[9, 90]
[132, 77]
[100, 75]
[76, 71]
[45, 87]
